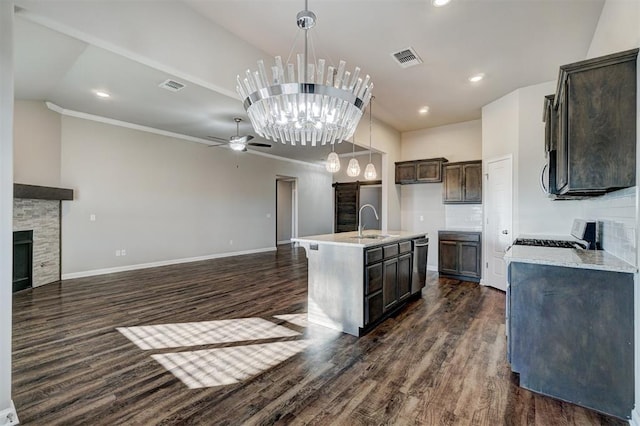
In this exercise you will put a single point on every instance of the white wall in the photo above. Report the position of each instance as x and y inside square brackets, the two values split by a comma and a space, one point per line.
[421, 205]
[455, 142]
[163, 199]
[36, 154]
[6, 204]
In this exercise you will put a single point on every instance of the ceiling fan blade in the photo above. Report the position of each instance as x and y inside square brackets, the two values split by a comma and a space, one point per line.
[217, 139]
[263, 145]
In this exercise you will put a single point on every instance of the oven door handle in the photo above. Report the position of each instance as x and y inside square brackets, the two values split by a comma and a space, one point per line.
[544, 188]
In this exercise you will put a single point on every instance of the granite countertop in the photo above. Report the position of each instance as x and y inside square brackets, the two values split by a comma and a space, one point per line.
[571, 258]
[351, 238]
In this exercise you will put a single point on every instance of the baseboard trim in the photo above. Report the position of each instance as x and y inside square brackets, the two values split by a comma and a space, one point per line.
[283, 242]
[635, 418]
[104, 271]
[432, 268]
[9, 416]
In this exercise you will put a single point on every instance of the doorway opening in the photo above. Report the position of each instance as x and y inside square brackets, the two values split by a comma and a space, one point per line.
[286, 209]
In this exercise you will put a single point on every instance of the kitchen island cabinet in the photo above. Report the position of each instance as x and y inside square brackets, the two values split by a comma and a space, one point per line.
[355, 283]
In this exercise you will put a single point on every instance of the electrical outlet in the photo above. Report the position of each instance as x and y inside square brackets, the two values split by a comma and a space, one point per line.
[123, 252]
[268, 215]
[92, 217]
[117, 252]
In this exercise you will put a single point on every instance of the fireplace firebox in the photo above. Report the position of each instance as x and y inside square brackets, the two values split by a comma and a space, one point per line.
[22, 260]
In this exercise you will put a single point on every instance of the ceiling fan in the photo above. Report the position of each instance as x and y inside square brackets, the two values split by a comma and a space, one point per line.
[237, 142]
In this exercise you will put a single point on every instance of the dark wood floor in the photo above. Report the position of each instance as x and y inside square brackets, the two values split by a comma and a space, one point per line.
[440, 361]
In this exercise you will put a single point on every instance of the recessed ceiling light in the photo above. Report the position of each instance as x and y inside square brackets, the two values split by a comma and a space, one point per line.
[439, 3]
[102, 94]
[476, 78]
[424, 110]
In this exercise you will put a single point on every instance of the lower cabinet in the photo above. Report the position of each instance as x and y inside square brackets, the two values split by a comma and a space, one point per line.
[387, 279]
[570, 334]
[460, 255]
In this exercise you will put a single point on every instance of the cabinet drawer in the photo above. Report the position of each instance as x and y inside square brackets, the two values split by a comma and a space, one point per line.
[459, 236]
[404, 246]
[373, 255]
[390, 251]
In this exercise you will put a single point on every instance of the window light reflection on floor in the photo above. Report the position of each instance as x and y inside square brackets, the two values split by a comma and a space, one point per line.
[297, 319]
[225, 366]
[163, 336]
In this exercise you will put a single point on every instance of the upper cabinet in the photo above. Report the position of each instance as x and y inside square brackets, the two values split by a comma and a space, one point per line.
[419, 171]
[462, 183]
[591, 126]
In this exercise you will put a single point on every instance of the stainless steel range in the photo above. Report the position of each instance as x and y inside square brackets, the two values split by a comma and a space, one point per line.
[584, 231]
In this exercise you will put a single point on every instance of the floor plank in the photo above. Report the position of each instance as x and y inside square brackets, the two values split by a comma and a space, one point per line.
[439, 361]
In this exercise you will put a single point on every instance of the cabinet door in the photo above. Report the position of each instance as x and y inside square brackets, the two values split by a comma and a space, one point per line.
[373, 278]
[404, 276]
[472, 183]
[452, 183]
[405, 173]
[373, 308]
[448, 257]
[429, 171]
[469, 259]
[390, 283]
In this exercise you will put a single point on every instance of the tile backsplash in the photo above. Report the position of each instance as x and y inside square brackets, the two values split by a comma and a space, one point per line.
[616, 215]
[463, 216]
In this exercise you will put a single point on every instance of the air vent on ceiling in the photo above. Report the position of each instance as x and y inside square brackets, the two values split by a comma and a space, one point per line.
[172, 85]
[407, 57]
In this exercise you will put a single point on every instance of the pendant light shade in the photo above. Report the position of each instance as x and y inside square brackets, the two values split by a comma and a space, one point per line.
[353, 169]
[333, 162]
[313, 104]
[370, 170]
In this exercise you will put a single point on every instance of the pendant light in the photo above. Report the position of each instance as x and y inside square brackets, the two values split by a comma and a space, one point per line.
[312, 105]
[370, 170]
[353, 169]
[333, 162]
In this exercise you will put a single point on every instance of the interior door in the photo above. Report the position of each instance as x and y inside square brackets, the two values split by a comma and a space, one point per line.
[498, 221]
[347, 199]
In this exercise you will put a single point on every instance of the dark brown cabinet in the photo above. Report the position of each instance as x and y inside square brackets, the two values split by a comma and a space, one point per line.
[595, 107]
[388, 278]
[460, 255]
[462, 183]
[419, 171]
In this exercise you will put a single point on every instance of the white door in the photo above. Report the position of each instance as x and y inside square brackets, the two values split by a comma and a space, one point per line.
[498, 234]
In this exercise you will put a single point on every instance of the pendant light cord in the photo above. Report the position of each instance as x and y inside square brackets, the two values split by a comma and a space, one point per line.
[370, 121]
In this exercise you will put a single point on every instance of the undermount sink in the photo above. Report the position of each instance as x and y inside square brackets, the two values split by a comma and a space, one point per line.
[373, 236]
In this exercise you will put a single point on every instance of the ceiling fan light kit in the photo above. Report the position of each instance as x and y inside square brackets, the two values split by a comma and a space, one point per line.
[308, 106]
[237, 142]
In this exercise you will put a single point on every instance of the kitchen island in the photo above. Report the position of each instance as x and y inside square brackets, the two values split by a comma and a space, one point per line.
[356, 282]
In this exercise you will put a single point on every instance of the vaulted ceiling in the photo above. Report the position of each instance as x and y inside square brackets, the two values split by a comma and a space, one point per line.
[514, 43]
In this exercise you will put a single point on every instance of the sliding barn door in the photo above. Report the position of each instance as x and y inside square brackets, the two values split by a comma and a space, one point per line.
[347, 200]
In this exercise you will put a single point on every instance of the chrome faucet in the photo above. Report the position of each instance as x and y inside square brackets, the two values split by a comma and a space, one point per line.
[360, 226]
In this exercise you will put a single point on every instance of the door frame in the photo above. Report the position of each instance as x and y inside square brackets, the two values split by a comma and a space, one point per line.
[294, 206]
[486, 252]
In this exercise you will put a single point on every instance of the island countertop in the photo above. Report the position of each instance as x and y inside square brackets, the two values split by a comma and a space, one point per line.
[351, 238]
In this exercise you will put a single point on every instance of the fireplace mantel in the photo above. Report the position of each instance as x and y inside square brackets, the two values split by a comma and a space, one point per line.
[36, 192]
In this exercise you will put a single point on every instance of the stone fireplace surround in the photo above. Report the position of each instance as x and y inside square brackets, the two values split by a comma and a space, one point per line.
[38, 208]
